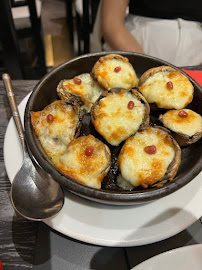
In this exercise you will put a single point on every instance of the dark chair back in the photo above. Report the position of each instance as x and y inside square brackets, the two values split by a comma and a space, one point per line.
[14, 60]
[81, 24]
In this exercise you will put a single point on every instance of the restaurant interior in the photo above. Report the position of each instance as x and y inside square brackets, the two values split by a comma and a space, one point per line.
[39, 35]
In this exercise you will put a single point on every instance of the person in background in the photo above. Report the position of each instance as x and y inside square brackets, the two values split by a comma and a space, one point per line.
[170, 30]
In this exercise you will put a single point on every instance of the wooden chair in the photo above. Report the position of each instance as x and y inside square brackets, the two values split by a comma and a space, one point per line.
[14, 57]
[80, 22]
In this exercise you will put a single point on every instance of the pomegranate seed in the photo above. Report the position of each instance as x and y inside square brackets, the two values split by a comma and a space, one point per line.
[130, 105]
[151, 149]
[50, 118]
[77, 81]
[169, 85]
[117, 69]
[89, 151]
[183, 114]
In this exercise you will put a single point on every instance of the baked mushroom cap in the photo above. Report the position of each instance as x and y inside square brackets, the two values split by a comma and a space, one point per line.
[56, 125]
[185, 125]
[119, 113]
[167, 88]
[82, 88]
[86, 160]
[150, 156]
[113, 71]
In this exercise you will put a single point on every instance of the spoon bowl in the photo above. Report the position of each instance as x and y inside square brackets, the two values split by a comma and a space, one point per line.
[34, 194]
[43, 198]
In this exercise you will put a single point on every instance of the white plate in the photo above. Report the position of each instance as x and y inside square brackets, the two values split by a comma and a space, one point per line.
[185, 258]
[121, 226]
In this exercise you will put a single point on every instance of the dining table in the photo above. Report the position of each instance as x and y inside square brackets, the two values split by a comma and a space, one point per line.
[26, 244]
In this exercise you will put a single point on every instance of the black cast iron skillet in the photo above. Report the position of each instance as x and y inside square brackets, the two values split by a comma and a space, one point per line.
[45, 92]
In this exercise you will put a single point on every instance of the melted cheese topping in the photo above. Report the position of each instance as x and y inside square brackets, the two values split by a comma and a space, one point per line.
[188, 126]
[155, 90]
[137, 166]
[114, 121]
[89, 90]
[125, 78]
[123, 184]
[88, 170]
[55, 136]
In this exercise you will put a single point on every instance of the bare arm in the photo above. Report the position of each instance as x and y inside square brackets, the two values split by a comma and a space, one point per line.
[113, 26]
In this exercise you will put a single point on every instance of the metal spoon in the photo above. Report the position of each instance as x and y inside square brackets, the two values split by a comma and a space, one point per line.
[34, 194]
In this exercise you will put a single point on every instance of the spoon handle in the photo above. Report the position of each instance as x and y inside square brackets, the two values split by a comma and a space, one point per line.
[11, 96]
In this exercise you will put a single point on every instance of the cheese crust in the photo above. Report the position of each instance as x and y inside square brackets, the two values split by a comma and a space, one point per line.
[55, 136]
[114, 120]
[140, 168]
[185, 130]
[103, 72]
[88, 170]
[188, 125]
[153, 86]
[85, 93]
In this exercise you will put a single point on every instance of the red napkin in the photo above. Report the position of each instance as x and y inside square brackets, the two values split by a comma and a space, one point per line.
[195, 74]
